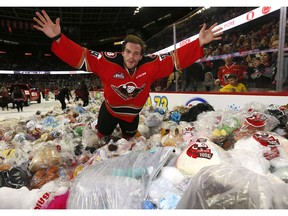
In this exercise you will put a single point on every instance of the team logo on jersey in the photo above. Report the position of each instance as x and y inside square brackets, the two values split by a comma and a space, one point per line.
[96, 54]
[119, 75]
[110, 54]
[128, 91]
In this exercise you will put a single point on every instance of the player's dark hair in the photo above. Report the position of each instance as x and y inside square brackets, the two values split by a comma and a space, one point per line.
[136, 40]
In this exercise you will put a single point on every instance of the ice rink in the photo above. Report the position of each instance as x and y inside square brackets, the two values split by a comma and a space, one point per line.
[43, 107]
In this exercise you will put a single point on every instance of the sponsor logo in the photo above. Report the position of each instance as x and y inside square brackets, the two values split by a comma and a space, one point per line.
[119, 75]
[266, 10]
[141, 75]
[250, 15]
[31, 72]
[195, 101]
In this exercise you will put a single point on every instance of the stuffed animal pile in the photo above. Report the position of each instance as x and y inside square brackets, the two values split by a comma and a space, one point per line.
[58, 160]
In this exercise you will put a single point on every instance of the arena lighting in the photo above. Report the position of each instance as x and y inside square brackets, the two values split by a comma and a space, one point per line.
[2, 52]
[164, 17]
[47, 54]
[118, 43]
[137, 11]
[148, 24]
[9, 42]
[28, 54]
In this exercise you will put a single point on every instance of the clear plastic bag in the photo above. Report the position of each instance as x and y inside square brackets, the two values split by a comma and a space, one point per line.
[119, 183]
[226, 186]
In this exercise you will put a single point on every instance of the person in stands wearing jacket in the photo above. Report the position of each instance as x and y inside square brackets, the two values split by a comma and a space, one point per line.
[127, 76]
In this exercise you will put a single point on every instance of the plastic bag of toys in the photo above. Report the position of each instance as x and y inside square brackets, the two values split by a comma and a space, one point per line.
[122, 182]
[219, 125]
[267, 151]
[228, 186]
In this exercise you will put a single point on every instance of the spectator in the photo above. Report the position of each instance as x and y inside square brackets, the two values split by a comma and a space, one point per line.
[160, 84]
[46, 94]
[217, 85]
[56, 92]
[63, 95]
[269, 66]
[264, 43]
[18, 98]
[84, 93]
[230, 67]
[4, 97]
[172, 79]
[208, 81]
[256, 73]
[77, 94]
[233, 85]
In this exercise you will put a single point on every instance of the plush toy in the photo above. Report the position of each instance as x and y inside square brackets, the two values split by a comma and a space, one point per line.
[265, 146]
[166, 126]
[154, 140]
[144, 130]
[256, 121]
[114, 148]
[194, 111]
[43, 157]
[90, 138]
[7, 124]
[173, 138]
[153, 119]
[78, 129]
[43, 176]
[198, 154]
[228, 126]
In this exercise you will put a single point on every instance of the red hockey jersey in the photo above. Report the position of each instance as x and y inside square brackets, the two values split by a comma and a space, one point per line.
[225, 70]
[126, 95]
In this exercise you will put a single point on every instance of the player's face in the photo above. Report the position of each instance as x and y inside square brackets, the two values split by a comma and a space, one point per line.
[132, 55]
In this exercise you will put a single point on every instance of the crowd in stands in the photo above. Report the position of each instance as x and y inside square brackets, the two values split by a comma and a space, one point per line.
[250, 51]
[53, 82]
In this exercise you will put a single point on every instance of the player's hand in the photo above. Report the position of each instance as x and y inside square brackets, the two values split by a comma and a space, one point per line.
[45, 24]
[208, 35]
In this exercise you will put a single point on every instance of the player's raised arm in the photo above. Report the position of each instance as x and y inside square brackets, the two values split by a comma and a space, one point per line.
[45, 24]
